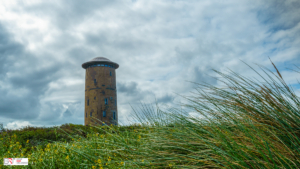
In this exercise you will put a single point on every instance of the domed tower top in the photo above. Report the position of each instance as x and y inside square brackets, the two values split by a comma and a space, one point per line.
[99, 60]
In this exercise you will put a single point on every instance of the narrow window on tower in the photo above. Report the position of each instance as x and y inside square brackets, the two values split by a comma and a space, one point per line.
[94, 98]
[104, 113]
[88, 101]
[110, 73]
[105, 101]
[91, 113]
[95, 81]
[114, 114]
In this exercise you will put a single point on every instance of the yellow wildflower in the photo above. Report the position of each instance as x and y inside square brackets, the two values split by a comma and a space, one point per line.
[122, 163]
[93, 167]
[99, 161]
[27, 141]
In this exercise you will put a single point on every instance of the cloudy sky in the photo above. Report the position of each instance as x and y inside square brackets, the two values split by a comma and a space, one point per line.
[160, 45]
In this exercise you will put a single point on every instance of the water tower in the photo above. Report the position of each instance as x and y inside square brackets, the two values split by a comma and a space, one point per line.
[100, 92]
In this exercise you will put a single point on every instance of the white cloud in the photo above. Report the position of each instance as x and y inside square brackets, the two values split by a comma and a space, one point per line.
[17, 124]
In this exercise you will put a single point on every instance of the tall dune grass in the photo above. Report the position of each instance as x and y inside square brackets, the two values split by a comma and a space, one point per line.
[247, 124]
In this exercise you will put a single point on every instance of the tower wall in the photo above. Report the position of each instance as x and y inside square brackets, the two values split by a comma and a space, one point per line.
[100, 84]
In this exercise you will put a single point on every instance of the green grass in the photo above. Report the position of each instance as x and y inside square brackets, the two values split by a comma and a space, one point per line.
[248, 124]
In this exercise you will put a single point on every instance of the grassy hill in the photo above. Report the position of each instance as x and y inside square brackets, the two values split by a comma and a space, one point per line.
[248, 124]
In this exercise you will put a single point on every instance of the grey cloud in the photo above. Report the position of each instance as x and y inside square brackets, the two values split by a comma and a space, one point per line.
[35, 80]
[67, 113]
[68, 13]
[130, 92]
[112, 42]
[73, 114]
[202, 76]
[23, 77]
[74, 109]
[51, 112]
[10, 105]
[56, 113]
[280, 15]
[79, 54]
[165, 99]
[282, 19]
[128, 88]
[97, 40]
[9, 50]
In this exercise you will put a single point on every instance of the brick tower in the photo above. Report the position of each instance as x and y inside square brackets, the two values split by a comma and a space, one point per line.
[100, 92]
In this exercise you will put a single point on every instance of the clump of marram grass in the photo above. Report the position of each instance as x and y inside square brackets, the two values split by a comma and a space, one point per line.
[248, 124]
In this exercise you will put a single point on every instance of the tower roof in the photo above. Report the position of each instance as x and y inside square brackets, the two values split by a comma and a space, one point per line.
[99, 60]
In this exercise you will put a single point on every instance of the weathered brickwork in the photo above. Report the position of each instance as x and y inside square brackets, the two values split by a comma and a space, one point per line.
[100, 96]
